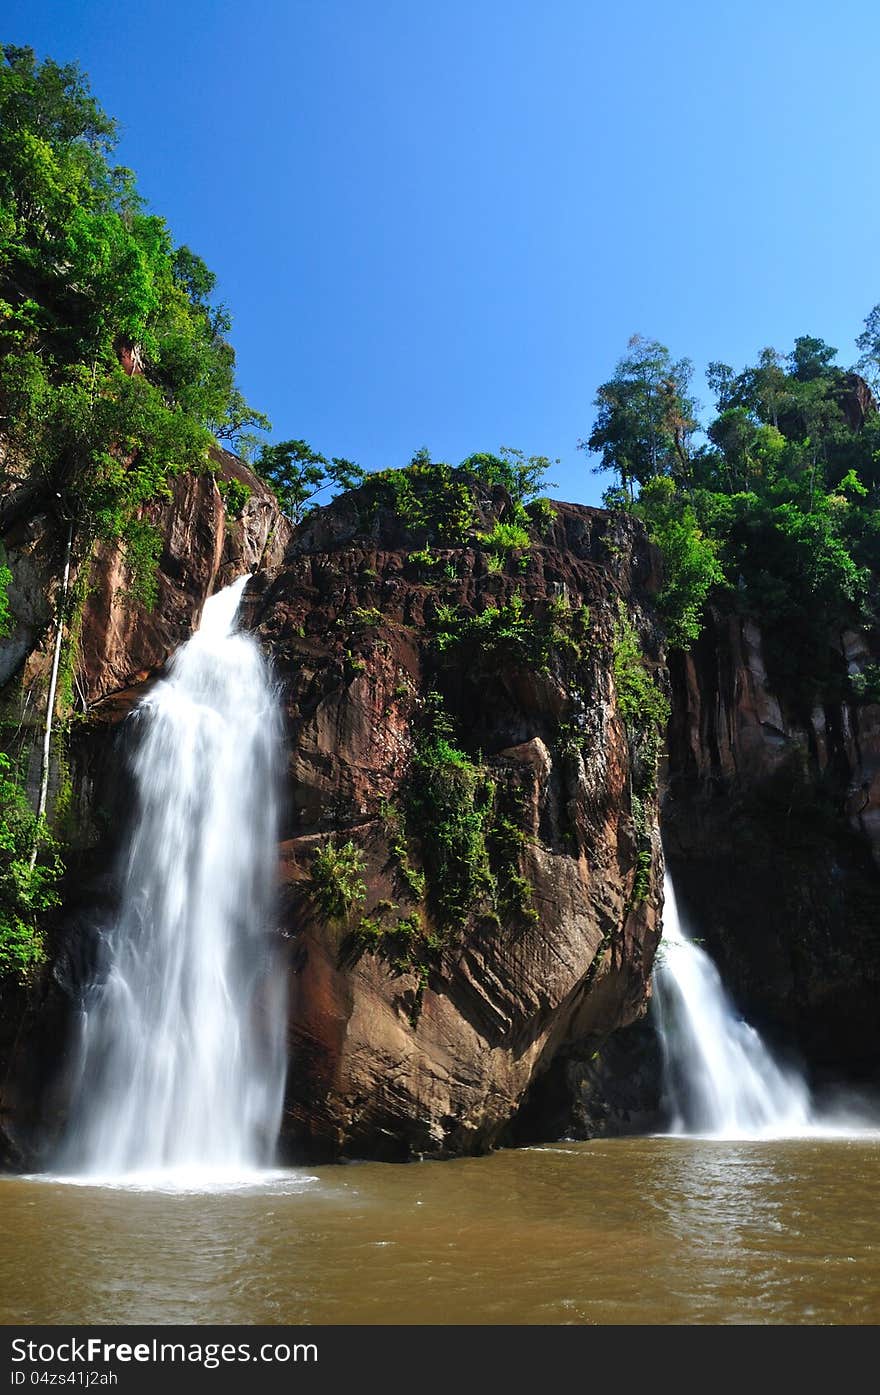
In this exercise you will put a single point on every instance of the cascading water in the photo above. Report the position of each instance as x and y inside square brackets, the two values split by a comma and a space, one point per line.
[181, 1054]
[719, 1076]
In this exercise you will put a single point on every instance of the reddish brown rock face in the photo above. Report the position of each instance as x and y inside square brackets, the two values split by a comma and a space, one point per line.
[383, 1062]
[391, 1059]
[122, 643]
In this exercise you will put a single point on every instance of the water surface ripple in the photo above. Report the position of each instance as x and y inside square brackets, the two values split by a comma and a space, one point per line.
[656, 1230]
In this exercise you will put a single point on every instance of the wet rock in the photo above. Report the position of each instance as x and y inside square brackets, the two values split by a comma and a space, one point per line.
[772, 830]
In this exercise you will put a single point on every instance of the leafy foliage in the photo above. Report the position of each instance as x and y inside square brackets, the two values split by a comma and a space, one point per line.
[504, 538]
[26, 892]
[524, 477]
[235, 494]
[691, 558]
[412, 877]
[645, 415]
[470, 842]
[516, 632]
[299, 474]
[337, 879]
[115, 370]
[778, 507]
[450, 799]
[639, 699]
[5, 614]
[433, 502]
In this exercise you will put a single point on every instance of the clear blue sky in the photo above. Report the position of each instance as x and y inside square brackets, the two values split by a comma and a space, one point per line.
[439, 224]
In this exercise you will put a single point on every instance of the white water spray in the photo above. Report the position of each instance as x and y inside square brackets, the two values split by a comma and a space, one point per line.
[181, 1056]
[720, 1078]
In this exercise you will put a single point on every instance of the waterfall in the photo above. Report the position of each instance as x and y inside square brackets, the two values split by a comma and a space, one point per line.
[719, 1076]
[181, 1057]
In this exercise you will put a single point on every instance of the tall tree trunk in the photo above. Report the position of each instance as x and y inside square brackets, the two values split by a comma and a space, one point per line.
[53, 688]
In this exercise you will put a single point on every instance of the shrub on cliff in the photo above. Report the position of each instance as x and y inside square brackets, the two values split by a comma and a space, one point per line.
[27, 890]
[5, 613]
[640, 701]
[337, 879]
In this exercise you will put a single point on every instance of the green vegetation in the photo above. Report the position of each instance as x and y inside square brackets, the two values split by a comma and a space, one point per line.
[299, 474]
[645, 416]
[403, 942]
[26, 891]
[360, 618]
[523, 477]
[645, 711]
[535, 639]
[541, 513]
[866, 685]
[505, 843]
[115, 370]
[777, 506]
[504, 538]
[465, 827]
[691, 562]
[337, 879]
[464, 830]
[433, 502]
[235, 494]
[641, 703]
[450, 800]
[5, 582]
[116, 373]
[412, 878]
[426, 561]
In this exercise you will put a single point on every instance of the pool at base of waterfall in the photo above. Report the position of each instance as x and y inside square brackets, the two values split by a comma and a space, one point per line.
[640, 1230]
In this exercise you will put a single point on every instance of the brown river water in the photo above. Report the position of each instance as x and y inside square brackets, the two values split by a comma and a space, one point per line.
[645, 1230]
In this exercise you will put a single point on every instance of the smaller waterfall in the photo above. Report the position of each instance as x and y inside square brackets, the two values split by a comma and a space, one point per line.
[719, 1076]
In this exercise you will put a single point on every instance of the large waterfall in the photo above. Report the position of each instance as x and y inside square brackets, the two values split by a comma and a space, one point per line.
[181, 1057]
[720, 1078]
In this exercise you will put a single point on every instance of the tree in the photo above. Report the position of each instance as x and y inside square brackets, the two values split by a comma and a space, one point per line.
[523, 476]
[114, 367]
[691, 562]
[721, 379]
[298, 474]
[811, 358]
[869, 343]
[761, 390]
[645, 416]
[115, 373]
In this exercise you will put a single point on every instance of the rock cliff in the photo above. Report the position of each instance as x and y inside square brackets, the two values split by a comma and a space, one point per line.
[419, 1022]
[409, 1034]
[470, 863]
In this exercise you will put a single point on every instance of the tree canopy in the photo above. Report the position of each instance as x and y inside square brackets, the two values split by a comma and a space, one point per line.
[773, 504]
[115, 368]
